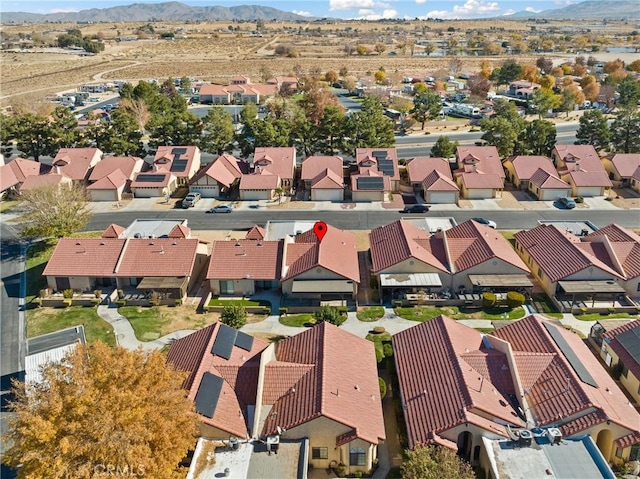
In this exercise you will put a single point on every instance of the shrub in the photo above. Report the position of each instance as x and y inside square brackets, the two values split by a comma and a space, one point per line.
[283, 311]
[96, 301]
[579, 199]
[379, 330]
[120, 294]
[329, 314]
[178, 302]
[373, 282]
[397, 303]
[340, 470]
[616, 370]
[67, 302]
[383, 387]
[379, 354]
[234, 315]
[387, 349]
[342, 310]
[515, 299]
[121, 302]
[97, 293]
[488, 300]
[44, 293]
[67, 293]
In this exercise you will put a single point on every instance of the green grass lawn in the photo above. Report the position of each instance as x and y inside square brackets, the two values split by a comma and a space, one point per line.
[425, 313]
[147, 322]
[47, 320]
[243, 302]
[371, 313]
[6, 205]
[296, 320]
[605, 316]
[378, 340]
[543, 305]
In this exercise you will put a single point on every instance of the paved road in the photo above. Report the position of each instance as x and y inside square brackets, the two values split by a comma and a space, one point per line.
[364, 220]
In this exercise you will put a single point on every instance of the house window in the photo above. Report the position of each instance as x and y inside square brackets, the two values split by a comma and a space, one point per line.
[635, 453]
[638, 288]
[618, 452]
[625, 370]
[357, 456]
[319, 453]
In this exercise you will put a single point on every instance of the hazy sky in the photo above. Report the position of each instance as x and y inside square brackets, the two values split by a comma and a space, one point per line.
[368, 9]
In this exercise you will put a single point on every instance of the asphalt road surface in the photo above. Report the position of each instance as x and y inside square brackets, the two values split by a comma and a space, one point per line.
[365, 220]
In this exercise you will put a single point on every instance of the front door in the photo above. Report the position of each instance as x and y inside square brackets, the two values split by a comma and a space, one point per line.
[226, 287]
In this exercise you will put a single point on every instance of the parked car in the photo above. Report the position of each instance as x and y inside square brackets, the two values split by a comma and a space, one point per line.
[486, 222]
[415, 209]
[566, 203]
[190, 200]
[221, 209]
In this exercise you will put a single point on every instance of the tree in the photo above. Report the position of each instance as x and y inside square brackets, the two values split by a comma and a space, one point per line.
[331, 76]
[234, 316]
[509, 71]
[34, 135]
[544, 100]
[330, 132]
[625, 131]
[369, 127]
[629, 91]
[478, 85]
[55, 211]
[185, 85]
[444, 147]
[537, 138]
[329, 314]
[426, 106]
[379, 48]
[544, 64]
[435, 462]
[570, 97]
[174, 127]
[593, 130]
[98, 407]
[218, 133]
[501, 133]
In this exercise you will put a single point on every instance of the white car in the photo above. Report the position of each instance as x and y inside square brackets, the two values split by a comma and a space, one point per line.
[486, 222]
[221, 209]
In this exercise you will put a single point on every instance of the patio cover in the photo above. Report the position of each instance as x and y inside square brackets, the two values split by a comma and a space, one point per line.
[396, 280]
[323, 286]
[163, 283]
[500, 280]
[592, 287]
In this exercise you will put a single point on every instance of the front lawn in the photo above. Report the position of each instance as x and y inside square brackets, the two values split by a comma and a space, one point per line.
[543, 305]
[242, 302]
[147, 322]
[297, 320]
[47, 320]
[604, 316]
[425, 313]
[370, 313]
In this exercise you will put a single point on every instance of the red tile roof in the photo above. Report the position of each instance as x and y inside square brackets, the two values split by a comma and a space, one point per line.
[256, 233]
[386, 183]
[327, 179]
[312, 166]
[113, 231]
[484, 159]
[438, 181]
[7, 178]
[225, 169]
[260, 180]
[75, 163]
[558, 254]
[336, 252]
[112, 181]
[245, 259]
[584, 156]
[158, 257]
[421, 167]
[590, 178]
[626, 163]
[179, 231]
[448, 376]
[17, 170]
[478, 180]
[341, 383]
[43, 181]
[280, 161]
[526, 165]
[85, 257]
[398, 241]
[128, 165]
[548, 180]
[471, 244]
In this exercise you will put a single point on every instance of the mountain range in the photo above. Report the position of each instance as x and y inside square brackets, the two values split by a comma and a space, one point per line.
[589, 10]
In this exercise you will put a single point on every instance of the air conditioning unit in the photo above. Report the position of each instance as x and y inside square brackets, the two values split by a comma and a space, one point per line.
[554, 435]
[526, 437]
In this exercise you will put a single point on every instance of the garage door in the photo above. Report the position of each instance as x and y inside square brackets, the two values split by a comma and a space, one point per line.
[589, 191]
[440, 197]
[207, 191]
[326, 195]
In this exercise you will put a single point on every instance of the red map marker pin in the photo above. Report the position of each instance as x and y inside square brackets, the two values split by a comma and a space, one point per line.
[320, 229]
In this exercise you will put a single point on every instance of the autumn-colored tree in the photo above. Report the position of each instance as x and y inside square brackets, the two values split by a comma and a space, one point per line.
[435, 462]
[530, 73]
[331, 76]
[612, 66]
[362, 49]
[634, 66]
[591, 91]
[100, 408]
[485, 69]
[380, 76]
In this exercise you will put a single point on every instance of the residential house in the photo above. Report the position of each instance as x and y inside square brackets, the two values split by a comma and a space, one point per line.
[479, 172]
[375, 163]
[523, 89]
[280, 161]
[45, 181]
[112, 177]
[76, 163]
[181, 161]
[13, 173]
[326, 269]
[219, 177]
[239, 92]
[153, 184]
[580, 166]
[323, 177]
[634, 181]
[520, 169]
[312, 385]
[467, 257]
[603, 264]
[370, 185]
[244, 267]
[546, 185]
[621, 349]
[432, 178]
[621, 166]
[287, 83]
[460, 387]
[108, 188]
[259, 185]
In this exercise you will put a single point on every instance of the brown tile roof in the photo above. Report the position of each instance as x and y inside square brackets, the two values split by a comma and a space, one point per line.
[42, 181]
[484, 159]
[312, 166]
[225, 169]
[75, 163]
[617, 233]
[341, 383]
[179, 231]
[365, 155]
[22, 168]
[262, 180]
[626, 163]
[437, 181]
[547, 180]
[398, 241]
[142, 179]
[557, 254]
[582, 157]
[590, 178]
[471, 244]
[327, 179]
[448, 376]
[112, 181]
[113, 231]
[526, 165]
[256, 233]
[556, 391]
[336, 252]
[280, 161]
[242, 259]
[128, 165]
[85, 257]
[157, 257]
[164, 157]
[421, 167]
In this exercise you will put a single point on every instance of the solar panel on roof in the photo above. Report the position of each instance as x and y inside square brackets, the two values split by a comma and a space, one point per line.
[370, 183]
[151, 178]
[179, 165]
[225, 339]
[178, 151]
[630, 341]
[379, 154]
[244, 341]
[386, 166]
[575, 362]
[208, 394]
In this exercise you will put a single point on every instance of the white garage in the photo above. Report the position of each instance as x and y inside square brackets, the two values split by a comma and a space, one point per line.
[441, 197]
[206, 191]
[333, 194]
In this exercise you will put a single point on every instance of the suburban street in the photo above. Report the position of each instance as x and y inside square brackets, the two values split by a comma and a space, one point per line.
[365, 220]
